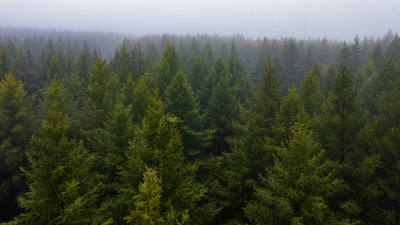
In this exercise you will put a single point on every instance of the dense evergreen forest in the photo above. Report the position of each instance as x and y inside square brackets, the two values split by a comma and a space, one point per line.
[100, 128]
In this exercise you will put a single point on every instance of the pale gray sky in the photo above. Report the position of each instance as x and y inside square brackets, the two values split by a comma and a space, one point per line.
[336, 19]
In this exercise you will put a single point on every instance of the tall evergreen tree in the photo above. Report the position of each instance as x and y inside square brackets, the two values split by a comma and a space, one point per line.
[299, 187]
[222, 109]
[14, 137]
[342, 122]
[58, 175]
[267, 96]
[157, 143]
[181, 102]
[167, 68]
[310, 93]
[5, 65]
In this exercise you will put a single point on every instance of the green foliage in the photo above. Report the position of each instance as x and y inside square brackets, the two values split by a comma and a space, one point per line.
[158, 144]
[222, 109]
[14, 137]
[137, 96]
[298, 187]
[340, 122]
[147, 201]
[180, 102]
[57, 176]
[99, 96]
[218, 72]
[310, 93]
[5, 66]
[292, 111]
[167, 68]
[267, 96]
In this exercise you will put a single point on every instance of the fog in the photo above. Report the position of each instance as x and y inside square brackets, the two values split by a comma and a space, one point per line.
[340, 19]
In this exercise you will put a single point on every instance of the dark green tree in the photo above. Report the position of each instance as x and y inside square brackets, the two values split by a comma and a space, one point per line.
[14, 137]
[158, 144]
[221, 110]
[299, 187]
[181, 102]
[267, 96]
[310, 93]
[167, 68]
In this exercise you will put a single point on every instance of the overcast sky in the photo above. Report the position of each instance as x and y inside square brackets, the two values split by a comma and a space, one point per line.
[336, 19]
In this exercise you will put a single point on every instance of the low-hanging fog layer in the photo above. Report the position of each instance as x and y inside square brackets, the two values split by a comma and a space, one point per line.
[339, 19]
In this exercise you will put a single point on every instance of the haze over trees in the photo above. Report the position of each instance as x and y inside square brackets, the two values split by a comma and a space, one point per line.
[165, 129]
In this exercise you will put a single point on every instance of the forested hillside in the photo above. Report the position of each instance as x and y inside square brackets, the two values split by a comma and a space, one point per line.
[100, 128]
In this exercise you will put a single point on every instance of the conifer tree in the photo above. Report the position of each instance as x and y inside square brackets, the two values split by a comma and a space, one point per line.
[167, 68]
[197, 73]
[238, 79]
[14, 137]
[267, 96]
[58, 176]
[122, 63]
[310, 93]
[340, 123]
[291, 111]
[84, 62]
[218, 72]
[207, 54]
[136, 96]
[5, 66]
[158, 144]
[99, 95]
[148, 201]
[376, 54]
[298, 187]
[222, 109]
[181, 102]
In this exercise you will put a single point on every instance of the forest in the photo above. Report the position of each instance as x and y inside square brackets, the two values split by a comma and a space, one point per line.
[99, 128]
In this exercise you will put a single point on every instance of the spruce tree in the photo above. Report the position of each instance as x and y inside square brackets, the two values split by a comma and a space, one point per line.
[310, 93]
[181, 102]
[14, 137]
[222, 109]
[267, 96]
[298, 187]
[58, 175]
[167, 68]
[158, 144]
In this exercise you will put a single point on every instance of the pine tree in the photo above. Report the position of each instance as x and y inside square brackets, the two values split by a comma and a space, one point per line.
[376, 54]
[158, 144]
[222, 109]
[84, 62]
[311, 94]
[148, 201]
[197, 73]
[14, 137]
[298, 187]
[207, 54]
[5, 66]
[58, 175]
[99, 95]
[122, 63]
[167, 68]
[291, 111]
[344, 56]
[218, 72]
[181, 102]
[136, 96]
[267, 96]
[342, 122]
[356, 58]
[238, 79]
